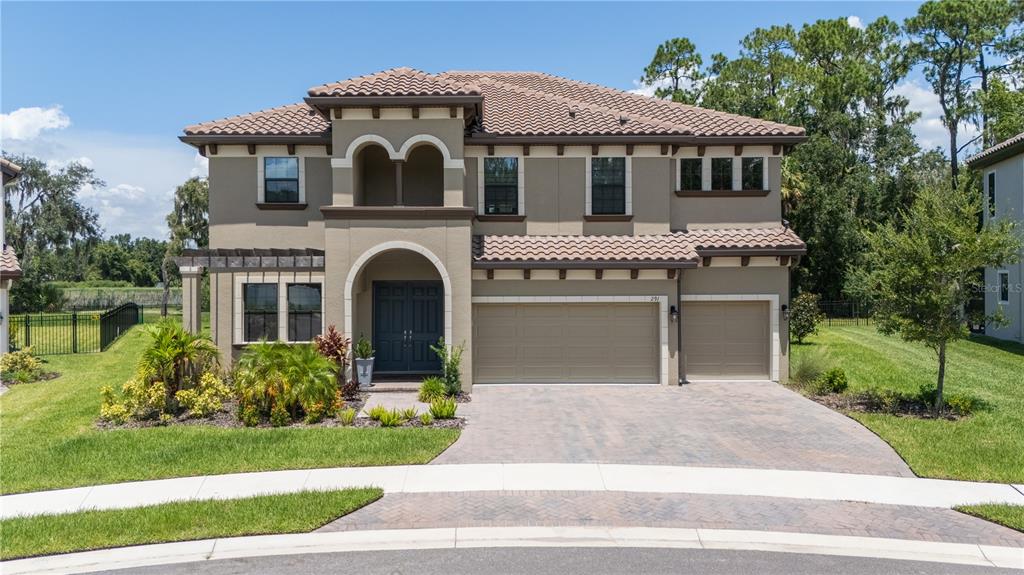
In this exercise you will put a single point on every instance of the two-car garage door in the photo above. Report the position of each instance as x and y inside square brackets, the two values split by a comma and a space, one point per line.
[566, 343]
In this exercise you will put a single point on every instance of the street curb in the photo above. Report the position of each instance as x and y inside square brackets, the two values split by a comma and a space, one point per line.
[489, 537]
[590, 477]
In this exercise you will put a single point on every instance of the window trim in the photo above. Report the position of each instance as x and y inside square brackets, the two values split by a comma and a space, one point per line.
[481, 195]
[679, 174]
[589, 186]
[1000, 274]
[261, 180]
[287, 284]
[277, 311]
[764, 174]
[282, 279]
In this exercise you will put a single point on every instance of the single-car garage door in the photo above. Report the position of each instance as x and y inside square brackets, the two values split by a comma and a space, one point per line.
[726, 340]
[566, 343]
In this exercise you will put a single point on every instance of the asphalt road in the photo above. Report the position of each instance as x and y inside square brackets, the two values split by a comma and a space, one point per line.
[561, 561]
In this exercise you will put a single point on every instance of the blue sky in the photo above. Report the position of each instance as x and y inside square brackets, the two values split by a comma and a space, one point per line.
[114, 83]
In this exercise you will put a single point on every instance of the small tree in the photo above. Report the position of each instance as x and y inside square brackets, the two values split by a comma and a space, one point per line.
[921, 277]
[804, 315]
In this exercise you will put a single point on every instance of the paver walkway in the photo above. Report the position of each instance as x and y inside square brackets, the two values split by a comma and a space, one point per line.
[709, 424]
[549, 508]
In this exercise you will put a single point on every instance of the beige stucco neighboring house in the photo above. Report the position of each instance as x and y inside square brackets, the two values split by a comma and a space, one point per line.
[561, 231]
[10, 270]
[1002, 176]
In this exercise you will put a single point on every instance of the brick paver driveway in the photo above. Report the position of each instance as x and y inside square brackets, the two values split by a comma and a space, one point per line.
[711, 424]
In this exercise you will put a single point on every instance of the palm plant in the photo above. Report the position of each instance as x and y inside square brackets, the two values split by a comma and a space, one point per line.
[294, 376]
[311, 377]
[177, 358]
[258, 377]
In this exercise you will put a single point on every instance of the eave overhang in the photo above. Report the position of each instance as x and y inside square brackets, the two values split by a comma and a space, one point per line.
[681, 139]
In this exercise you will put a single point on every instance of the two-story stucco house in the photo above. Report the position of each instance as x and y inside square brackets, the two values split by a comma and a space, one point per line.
[1002, 177]
[561, 231]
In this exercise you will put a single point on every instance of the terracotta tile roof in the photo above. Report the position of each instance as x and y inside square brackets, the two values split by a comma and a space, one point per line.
[9, 267]
[515, 104]
[396, 82]
[1000, 151]
[9, 166]
[291, 120]
[685, 119]
[676, 247]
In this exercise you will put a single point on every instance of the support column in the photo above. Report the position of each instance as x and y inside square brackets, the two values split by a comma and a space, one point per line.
[5, 285]
[191, 302]
[399, 200]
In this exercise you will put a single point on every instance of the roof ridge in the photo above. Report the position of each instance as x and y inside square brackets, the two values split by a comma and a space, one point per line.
[396, 71]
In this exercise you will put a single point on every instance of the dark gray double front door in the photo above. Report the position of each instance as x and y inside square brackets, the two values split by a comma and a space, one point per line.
[408, 317]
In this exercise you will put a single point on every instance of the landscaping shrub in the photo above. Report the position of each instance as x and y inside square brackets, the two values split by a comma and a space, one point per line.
[139, 400]
[20, 366]
[206, 398]
[376, 412]
[249, 416]
[804, 316]
[347, 416]
[426, 418]
[391, 418]
[443, 408]
[832, 381]
[177, 358]
[293, 379]
[962, 404]
[451, 365]
[409, 413]
[279, 416]
[335, 347]
[810, 366]
[363, 349]
[315, 413]
[432, 388]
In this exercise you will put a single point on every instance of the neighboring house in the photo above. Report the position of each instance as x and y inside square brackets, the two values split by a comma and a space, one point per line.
[559, 230]
[1002, 176]
[9, 268]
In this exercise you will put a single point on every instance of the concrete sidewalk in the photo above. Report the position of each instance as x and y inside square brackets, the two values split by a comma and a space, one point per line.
[808, 485]
[475, 537]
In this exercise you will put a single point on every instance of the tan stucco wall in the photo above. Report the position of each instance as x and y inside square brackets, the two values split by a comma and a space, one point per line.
[724, 212]
[236, 221]
[1009, 204]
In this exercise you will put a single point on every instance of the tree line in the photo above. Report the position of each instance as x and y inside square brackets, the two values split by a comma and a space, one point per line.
[60, 241]
[862, 166]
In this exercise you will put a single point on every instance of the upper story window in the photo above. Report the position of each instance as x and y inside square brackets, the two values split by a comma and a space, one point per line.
[608, 186]
[305, 318]
[1004, 287]
[721, 173]
[259, 311]
[991, 194]
[753, 173]
[691, 175]
[501, 186]
[281, 180]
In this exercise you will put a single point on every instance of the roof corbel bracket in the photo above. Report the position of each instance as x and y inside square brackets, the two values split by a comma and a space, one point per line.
[783, 261]
[526, 273]
[595, 149]
[213, 149]
[737, 150]
[526, 149]
[415, 112]
[671, 273]
[629, 149]
[744, 261]
[776, 149]
[598, 273]
[490, 273]
[252, 149]
[700, 150]
[291, 149]
[705, 261]
[664, 149]
[561, 149]
[634, 273]
[561, 274]
[376, 112]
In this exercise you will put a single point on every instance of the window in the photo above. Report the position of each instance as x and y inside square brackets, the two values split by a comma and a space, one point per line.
[259, 305]
[501, 186]
[304, 313]
[690, 176]
[281, 180]
[991, 194]
[1004, 287]
[753, 173]
[721, 173]
[608, 185]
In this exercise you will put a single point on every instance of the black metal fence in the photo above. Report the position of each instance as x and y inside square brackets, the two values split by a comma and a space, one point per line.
[845, 312]
[75, 332]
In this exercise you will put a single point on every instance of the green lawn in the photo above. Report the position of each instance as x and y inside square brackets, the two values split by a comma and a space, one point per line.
[987, 446]
[1011, 516]
[49, 439]
[291, 513]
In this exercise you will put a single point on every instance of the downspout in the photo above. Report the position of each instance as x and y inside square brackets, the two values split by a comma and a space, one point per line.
[679, 327]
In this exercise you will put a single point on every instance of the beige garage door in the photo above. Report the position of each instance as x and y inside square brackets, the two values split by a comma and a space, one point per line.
[726, 340]
[565, 343]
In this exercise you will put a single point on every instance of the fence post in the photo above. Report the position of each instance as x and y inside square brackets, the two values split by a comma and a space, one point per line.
[28, 330]
[74, 332]
[142, 315]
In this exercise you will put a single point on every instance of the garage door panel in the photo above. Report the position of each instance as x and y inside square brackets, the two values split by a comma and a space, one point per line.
[726, 340]
[566, 342]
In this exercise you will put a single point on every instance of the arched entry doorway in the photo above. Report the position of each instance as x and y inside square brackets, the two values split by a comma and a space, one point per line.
[398, 295]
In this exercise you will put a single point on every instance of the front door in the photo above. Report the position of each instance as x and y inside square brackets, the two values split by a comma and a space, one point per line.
[408, 317]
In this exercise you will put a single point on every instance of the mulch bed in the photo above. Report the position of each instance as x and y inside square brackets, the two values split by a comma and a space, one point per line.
[859, 404]
[227, 418]
[45, 376]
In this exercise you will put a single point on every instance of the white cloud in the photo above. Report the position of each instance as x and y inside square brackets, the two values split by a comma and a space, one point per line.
[648, 89]
[201, 168]
[855, 22]
[929, 129]
[28, 123]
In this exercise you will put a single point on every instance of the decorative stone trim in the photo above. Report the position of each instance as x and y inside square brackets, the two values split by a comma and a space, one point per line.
[396, 213]
[773, 318]
[661, 300]
[400, 154]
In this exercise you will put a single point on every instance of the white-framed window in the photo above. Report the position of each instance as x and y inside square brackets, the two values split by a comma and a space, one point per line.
[722, 173]
[990, 185]
[609, 185]
[501, 186]
[752, 170]
[691, 174]
[281, 306]
[281, 180]
[1003, 286]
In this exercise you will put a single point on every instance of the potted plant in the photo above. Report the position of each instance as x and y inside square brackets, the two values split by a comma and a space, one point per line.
[364, 362]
